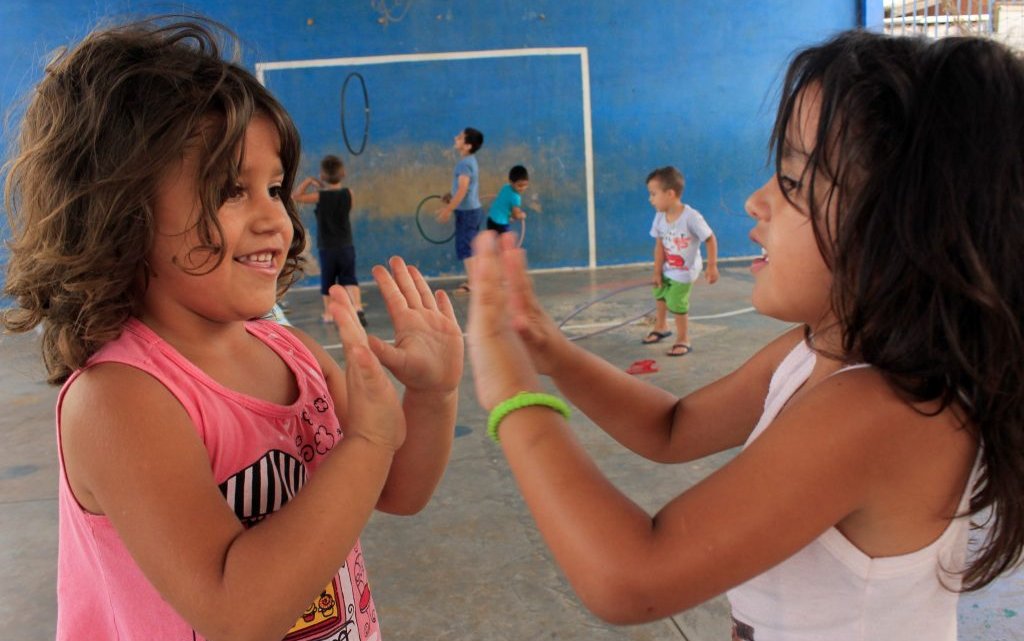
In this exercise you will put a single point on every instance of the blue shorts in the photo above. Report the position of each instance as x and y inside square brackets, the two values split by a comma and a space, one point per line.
[467, 226]
[337, 266]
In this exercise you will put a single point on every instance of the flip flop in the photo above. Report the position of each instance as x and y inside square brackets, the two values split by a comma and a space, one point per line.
[655, 337]
[679, 349]
[645, 366]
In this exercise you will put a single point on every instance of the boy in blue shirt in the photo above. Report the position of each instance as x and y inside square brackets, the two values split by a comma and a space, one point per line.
[508, 203]
[464, 198]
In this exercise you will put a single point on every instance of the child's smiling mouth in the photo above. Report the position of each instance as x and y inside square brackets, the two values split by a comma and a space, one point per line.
[263, 259]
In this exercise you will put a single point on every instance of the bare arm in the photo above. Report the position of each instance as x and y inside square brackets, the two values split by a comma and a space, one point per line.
[445, 212]
[769, 502]
[661, 426]
[647, 419]
[712, 271]
[302, 193]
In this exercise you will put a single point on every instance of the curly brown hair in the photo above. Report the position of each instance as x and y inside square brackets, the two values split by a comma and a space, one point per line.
[101, 127]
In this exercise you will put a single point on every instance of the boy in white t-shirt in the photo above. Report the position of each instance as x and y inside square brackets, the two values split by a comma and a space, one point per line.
[678, 231]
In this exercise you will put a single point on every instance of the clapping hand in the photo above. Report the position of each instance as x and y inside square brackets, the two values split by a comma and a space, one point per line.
[427, 354]
[374, 411]
[501, 364]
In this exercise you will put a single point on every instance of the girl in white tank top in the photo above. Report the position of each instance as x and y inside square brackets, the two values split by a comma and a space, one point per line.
[891, 233]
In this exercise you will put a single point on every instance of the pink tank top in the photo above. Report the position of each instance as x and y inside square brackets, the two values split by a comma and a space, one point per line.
[261, 455]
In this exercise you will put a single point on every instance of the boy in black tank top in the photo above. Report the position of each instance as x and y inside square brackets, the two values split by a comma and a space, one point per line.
[333, 231]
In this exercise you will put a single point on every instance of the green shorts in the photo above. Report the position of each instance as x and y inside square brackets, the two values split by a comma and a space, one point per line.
[675, 294]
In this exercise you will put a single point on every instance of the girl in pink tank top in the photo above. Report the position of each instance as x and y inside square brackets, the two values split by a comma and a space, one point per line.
[216, 471]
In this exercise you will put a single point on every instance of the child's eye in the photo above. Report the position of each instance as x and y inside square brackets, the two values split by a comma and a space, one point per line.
[789, 185]
[233, 192]
[275, 192]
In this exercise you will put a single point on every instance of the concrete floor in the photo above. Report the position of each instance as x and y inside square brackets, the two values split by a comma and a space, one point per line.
[471, 565]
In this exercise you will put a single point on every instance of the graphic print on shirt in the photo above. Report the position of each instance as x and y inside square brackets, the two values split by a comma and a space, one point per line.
[266, 486]
[741, 631]
[323, 437]
[674, 243]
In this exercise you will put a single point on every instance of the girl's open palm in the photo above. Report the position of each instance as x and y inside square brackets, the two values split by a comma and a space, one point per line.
[428, 350]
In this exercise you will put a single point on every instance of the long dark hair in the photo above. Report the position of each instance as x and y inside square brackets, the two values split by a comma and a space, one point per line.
[921, 153]
[109, 116]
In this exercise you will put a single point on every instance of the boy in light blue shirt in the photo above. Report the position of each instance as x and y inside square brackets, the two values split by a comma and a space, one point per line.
[507, 205]
[464, 198]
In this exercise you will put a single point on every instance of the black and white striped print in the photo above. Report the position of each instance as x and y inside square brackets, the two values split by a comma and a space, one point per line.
[264, 487]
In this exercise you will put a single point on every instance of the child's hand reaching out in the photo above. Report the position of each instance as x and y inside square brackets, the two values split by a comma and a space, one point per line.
[428, 352]
[501, 364]
[544, 341]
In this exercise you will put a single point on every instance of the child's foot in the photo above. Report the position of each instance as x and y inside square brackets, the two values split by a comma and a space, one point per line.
[462, 289]
[679, 349]
[655, 337]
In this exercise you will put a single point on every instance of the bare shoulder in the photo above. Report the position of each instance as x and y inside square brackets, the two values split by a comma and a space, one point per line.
[114, 417]
[110, 389]
[864, 403]
[910, 461]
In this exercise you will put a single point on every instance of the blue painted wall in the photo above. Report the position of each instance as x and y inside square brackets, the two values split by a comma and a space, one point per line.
[683, 82]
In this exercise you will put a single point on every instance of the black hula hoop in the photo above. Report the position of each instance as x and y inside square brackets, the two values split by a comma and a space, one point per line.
[419, 225]
[366, 112]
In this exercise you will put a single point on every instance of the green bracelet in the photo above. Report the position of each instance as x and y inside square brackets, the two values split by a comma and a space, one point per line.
[519, 401]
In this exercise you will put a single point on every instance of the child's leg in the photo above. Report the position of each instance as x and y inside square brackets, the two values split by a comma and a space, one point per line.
[660, 331]
[328, 273]
[682, 328]
[678, 302]
[347, 279]
[467, 225]
[660, 316]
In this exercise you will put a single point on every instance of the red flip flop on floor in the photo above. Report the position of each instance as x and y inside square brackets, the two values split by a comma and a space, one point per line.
[645, 366]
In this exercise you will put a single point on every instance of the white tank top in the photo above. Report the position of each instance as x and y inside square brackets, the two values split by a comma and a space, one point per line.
[832, 590]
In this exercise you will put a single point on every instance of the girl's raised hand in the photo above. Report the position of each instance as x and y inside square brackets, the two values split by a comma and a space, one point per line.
[501, 365]
[545, 343]
[374, 410]
[428, 350]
